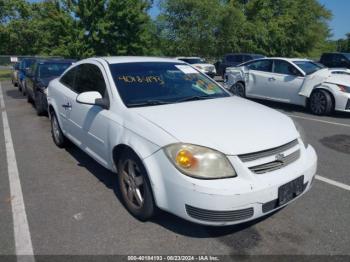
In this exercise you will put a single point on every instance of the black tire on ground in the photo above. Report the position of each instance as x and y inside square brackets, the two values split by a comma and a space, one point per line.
[135, 187]
[29, 98]
[57, 135]
[321, 102]
[238, 89]
[38, 104]
[23, 88]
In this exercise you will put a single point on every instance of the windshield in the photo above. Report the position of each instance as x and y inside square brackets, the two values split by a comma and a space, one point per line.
[155, 83]
[51, 70]
[347, 55]
[308, 67]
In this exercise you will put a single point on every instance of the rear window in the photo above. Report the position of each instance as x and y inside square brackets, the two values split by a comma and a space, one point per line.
[53, 69]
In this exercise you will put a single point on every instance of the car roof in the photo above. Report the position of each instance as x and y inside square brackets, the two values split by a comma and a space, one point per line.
[335, 53]
[134, 59]
[288, 59]
[56, 61]
[188, 57]
[250, 54]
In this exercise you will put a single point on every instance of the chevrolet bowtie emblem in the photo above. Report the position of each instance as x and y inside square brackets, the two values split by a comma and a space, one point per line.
[279, 157]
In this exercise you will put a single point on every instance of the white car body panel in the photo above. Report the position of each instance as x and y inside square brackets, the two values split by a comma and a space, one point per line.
[231, 125]
[171, 118]
[290, 89]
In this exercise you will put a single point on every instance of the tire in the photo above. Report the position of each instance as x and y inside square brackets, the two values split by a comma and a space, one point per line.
[238, 89]
[57, 135]
[38, 104]
[135, 187]
[23, 88]
[321, 102]
[29, 98]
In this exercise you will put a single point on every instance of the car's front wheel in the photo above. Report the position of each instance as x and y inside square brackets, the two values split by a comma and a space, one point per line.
[135, 187]
[56, 131]
[321, 102]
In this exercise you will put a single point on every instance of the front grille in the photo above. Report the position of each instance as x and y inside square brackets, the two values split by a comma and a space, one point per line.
[282, 157]
[277, 164]
[347, 107]
[219, 216]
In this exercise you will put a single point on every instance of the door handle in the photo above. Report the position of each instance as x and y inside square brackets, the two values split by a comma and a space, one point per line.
[68, 105]
[272, 79]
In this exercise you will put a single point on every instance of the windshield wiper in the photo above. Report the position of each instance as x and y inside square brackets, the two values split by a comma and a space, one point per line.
[149, 103]
[193, 98]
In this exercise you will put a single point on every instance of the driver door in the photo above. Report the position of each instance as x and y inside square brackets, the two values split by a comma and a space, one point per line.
[88, 124]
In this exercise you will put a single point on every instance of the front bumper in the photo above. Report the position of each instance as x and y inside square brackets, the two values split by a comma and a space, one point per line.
[224, 201]
[342, 101]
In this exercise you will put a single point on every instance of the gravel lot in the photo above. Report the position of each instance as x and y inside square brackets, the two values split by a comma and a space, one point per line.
[72, 207]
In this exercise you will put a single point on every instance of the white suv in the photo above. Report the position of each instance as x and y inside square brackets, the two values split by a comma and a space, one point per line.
[180, 142]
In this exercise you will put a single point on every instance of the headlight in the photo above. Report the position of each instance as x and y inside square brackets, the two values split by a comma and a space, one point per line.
[200, 162]
[302, 133]
[45, 91]
[345, 89]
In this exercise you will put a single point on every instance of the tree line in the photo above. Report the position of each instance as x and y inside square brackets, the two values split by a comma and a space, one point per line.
[207, 28]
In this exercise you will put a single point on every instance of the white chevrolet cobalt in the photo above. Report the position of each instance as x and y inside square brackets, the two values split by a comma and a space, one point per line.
[294, 81]
[178, 141]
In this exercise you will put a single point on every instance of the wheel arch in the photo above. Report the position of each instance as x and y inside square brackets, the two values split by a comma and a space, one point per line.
[118, 152]
[326, 89]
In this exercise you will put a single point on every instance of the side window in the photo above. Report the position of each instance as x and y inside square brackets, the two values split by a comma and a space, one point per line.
[261, 65]
[89, 78]
[285, 68]
[68, 78]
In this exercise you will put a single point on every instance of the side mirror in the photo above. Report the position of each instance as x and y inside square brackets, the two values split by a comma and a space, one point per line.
[92, 98]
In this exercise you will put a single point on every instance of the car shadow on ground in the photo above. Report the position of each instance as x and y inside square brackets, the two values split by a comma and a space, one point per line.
[288, 108]
[164, 219]
[15, 94]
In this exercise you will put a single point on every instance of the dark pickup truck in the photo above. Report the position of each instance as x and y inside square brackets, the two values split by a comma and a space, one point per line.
[233, 60]
[336, 60]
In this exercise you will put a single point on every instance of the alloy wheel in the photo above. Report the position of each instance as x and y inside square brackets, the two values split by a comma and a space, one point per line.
[318, 103]
[132, 184]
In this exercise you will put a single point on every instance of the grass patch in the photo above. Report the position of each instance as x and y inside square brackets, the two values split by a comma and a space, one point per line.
[5, 74]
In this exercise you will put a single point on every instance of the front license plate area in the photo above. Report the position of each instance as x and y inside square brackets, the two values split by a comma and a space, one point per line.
[289, 191]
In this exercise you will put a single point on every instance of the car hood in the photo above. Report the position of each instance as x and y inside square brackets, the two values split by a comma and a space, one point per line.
[231, 125]
[339, 79]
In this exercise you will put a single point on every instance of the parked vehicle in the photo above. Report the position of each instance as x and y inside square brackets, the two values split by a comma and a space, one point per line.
[200, 64]
[336, 60]
[230, 60]
[294, 81]
[14, 76]
[38, 77]
[24, 64]
[164, 128]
